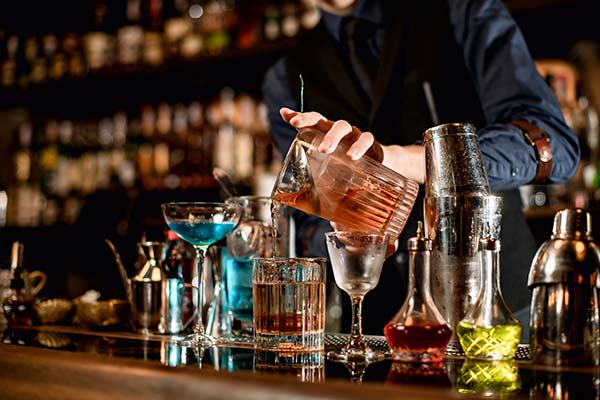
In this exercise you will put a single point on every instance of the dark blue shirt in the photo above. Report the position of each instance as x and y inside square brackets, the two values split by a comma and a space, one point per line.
[505, 78]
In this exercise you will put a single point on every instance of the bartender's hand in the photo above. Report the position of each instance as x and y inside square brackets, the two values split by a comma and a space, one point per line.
[406, 160]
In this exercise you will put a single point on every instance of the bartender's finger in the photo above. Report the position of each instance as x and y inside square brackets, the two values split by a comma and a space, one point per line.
[361, 146]
[301, 120]
[391, 248]
[340, 129]
[287, 113]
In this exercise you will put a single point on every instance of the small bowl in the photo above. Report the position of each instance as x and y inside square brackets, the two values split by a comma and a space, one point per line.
[54, 311]
[104, 313]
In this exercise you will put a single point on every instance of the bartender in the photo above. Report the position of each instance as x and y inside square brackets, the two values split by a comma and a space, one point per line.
[385, 71]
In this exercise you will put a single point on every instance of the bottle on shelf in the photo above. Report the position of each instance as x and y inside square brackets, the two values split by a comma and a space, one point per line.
[130, 36]
[99, 41]
[152, 19]
[8, 61]
[224, 147]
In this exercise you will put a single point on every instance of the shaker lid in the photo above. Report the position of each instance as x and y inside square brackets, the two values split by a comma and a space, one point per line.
[419, 242]
[570, 255]
[572, 223]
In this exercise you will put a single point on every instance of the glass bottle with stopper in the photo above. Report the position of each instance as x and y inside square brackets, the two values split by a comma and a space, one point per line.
[418, 332]
[19, 306]
[489, 330]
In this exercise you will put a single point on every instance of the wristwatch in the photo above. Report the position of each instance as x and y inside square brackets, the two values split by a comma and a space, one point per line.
[540, 141]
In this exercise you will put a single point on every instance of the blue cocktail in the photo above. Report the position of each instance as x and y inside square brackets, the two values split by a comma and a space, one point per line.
[201, 225]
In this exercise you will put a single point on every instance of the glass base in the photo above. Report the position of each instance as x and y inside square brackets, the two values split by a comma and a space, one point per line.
[346, 355]
[197, 341]
[431, 355]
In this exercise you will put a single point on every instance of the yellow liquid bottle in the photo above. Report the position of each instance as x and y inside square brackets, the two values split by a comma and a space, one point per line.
[489, 331]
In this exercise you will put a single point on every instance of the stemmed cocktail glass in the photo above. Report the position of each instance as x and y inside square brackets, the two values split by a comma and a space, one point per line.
[201, 224]
[357, 258]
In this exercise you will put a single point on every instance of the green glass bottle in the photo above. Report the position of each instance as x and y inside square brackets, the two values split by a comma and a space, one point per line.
[489, 331]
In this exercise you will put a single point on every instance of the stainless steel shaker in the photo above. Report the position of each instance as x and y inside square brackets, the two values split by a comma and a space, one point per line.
[457, 207]
[172, 295]
[146, 287]
[564, 276]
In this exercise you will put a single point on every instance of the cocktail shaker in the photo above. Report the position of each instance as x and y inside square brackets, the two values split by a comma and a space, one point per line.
[564, 276]
[457, 206]
[146, 287]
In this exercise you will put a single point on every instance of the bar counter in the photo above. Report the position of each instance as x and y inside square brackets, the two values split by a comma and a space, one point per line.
[72, 363]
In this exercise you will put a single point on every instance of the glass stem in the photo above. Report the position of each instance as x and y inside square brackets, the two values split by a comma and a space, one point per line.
[356, 337]
[199, 329]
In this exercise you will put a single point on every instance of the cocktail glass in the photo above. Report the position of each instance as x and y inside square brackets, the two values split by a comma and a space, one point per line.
[201, 224]
[357, 258]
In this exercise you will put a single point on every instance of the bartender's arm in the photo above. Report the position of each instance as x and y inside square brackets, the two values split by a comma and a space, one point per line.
[510, 89]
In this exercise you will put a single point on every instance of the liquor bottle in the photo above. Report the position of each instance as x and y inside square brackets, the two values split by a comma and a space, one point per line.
[19, 306]
[217, 22]
[130, 36]
[489, 330]
[144, 158]
[244, 138]
[39, 61]
[104, 165]
[9, 61]
[25, 197]
[74, 50]
[123, 158]
[224, 150]
[58, 66]
[177, 26]
[152, 20]
[290, 23]
[418, 332]
[99, 42]
[192, 43]
[161, 151]
[272, 26]
[48, 160]
[178, 141]
[199, 145]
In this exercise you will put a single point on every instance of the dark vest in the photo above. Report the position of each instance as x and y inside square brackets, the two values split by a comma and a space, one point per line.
[419, 46]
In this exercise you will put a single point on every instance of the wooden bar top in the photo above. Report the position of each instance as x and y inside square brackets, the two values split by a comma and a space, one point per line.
[60, 363]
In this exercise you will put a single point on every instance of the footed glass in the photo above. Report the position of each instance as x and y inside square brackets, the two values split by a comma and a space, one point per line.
[201, 224]
[357, 258]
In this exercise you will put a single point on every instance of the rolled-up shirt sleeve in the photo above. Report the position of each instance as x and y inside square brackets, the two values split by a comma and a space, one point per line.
[510, 88]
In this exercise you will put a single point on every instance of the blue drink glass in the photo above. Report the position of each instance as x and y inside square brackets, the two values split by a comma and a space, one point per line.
[201, 224]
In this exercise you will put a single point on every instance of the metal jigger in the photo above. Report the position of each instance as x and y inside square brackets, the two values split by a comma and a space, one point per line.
[457, 205]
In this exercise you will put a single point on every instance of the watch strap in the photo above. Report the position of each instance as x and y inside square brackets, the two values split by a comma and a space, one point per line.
[540, 141]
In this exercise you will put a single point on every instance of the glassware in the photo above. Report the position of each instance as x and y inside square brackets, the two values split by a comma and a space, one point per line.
[201, 224]
[357, 259]
[431, 374]
[489, 330]
[289, 304]
[19, 305]
[306, 367]
[361, 195]
[253, 237]
[488, 378]
[418, 332]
